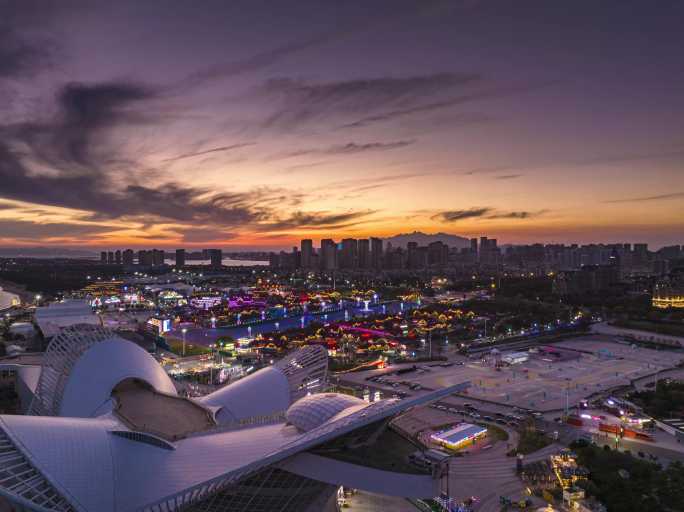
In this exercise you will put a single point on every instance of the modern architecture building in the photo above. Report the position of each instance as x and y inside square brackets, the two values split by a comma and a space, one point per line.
[459, 436]
[364, 253]
[349, 254]
[107, 432]
[127, 257]
[215, 257]
[180, 257]
[376, 253]
[328, 254]
[307, 253]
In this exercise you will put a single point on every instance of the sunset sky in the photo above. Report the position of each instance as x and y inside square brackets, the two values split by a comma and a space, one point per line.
[253, 124]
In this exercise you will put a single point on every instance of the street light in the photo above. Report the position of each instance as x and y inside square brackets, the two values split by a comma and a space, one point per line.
[184, 331]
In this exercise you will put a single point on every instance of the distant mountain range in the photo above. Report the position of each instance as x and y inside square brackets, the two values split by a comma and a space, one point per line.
[424, 239]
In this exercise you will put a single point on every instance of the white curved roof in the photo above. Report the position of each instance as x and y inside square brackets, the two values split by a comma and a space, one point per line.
[73, 454]
[101, 368]
[271, 390]
[263, 393]
[314, 410]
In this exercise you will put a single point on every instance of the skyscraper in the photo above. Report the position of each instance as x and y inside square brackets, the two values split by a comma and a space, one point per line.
[157, 257]
[307, 253]
[473, 245]
[145, 258]
[364, 253]
[117, 256]
[180, 257]
[376, 253]
[438, 254]
[127, 257]
[484, 245]
[349, 253]
[103, 257]
[328, 254]
[215, 257]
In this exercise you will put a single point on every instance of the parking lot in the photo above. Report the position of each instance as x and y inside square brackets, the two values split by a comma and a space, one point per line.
[539, 383]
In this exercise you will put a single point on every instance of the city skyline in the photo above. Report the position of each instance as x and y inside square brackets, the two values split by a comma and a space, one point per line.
[526, 123]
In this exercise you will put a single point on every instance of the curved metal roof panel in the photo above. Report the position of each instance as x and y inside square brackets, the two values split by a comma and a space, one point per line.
[101, 368]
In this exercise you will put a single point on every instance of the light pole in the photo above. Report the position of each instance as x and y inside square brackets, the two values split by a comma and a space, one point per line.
[184, 331]
[211, 365]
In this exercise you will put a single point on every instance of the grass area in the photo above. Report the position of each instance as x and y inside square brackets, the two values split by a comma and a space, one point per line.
[496, 433]
[531, 441]
[664, 402]
[670, 329]
[190, 350]
[390, 453]
[646, 488]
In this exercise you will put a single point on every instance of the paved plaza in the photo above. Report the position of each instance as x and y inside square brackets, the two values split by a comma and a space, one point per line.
[540, 383]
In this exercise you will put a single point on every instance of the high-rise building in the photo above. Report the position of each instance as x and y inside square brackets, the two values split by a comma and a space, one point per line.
[412, 255]
[438, 254]
[110, 257]
[103, 257]
[145, 258]
[117, 256]
[157, 257]
[180, 257]
[364, 253]
[215, 257]
[376, 253]
[349, 253]
[473, 245]
[328, 254]
[127, 257]
[307, 253]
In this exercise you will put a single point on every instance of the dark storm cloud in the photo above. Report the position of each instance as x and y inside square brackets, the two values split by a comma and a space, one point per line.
[94, 193]
[661, 197]
[456, 215]
[75, 147]
[221, 149]
[318, 220]
[18, 56]
[302, 101]
[75, 142]
[486, 213]
[447, 103]
[382, 18]
[350, 148]
[10, 228]
[518, 215]
[364, 93]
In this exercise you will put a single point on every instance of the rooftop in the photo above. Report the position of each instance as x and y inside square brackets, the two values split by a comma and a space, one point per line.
[460, 433]
[144, 409]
